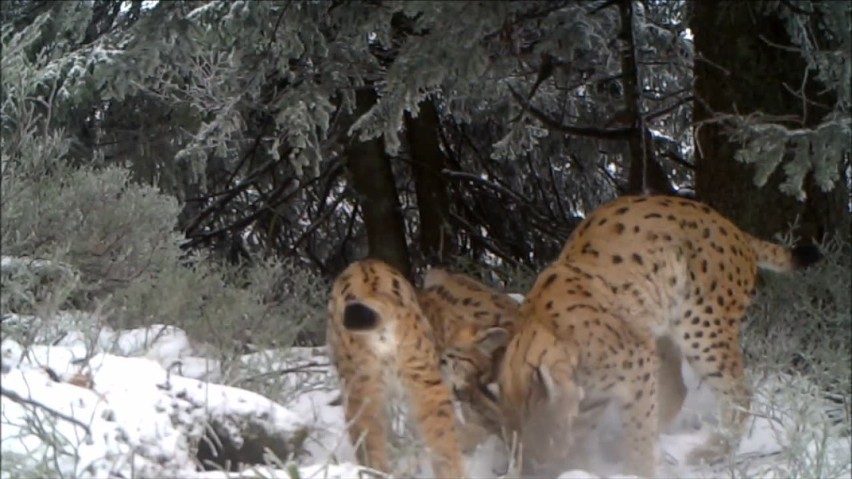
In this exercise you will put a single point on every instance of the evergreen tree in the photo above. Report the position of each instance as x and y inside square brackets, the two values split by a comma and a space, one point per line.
[772, 114]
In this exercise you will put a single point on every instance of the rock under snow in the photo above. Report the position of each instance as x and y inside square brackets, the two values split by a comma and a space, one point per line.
[132, 417]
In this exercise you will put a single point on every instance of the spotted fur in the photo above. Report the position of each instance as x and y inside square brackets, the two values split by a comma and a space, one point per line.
[641, 282]
[383, 349]
[472, 324]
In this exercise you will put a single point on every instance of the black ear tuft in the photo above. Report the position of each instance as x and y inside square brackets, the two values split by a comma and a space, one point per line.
[359, 317]
[805, 255]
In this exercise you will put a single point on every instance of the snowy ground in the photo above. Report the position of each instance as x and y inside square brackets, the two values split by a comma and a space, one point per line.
[133, 404]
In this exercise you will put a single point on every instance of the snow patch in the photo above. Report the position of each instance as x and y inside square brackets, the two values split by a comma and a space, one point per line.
[136, 403]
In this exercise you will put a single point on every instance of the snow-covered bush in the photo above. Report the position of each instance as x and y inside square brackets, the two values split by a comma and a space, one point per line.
[119, 238]
[29, 281]
[80, 236]
[205, 300]
[800, 324]
[88, 250]
[113, 231]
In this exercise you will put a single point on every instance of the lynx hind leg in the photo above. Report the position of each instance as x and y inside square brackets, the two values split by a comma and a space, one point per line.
[733, 400]
[434, 413]
[368, 426]
[585, 434]
[671, 390]
[719, 363]
[639, 417]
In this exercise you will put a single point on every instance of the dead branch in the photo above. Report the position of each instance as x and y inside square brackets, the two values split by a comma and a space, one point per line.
[13, 396]
[553, 124]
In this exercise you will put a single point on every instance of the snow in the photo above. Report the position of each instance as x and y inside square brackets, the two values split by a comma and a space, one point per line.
[140, 400]
[519, 298]
[140, 417]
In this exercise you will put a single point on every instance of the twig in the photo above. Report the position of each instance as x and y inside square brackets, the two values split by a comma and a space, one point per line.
[700, 57]
[312, 366]
[553, 124]
[317, 223]
[679, 160]
[474, 179]
[785, 48]
[669, 109]
[13, 396]
[485, 241]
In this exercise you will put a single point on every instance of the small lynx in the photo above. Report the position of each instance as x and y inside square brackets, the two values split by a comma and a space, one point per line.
[383, 349]
[472, 324]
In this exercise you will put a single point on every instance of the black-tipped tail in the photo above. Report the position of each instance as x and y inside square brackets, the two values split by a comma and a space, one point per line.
[805, 255]
[359, 317]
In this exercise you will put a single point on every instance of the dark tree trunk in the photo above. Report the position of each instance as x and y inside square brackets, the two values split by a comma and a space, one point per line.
[373, 181]
[645, 172]
[436, 240]
[738, 71]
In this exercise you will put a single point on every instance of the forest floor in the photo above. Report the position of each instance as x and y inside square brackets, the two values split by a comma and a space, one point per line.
[132, 404]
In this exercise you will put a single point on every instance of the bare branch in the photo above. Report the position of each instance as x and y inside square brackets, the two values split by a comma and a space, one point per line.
[666, 111]
[534, 213]
[487, 243]
[700, 57]
[553, 124]
[316, 224]
[678, 159]
[13, 396]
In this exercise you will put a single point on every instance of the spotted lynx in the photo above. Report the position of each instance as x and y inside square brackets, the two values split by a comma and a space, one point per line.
[641, 283]
[472, 324]
[383, 349]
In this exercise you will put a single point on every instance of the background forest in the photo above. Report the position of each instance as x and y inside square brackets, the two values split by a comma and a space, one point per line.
[212, 165]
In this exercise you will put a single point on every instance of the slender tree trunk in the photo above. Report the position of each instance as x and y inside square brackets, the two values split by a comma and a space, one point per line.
[737, 70]
[645, 172]
[430, 188]
[373, 181]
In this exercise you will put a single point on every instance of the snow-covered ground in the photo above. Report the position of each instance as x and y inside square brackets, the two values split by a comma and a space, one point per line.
[135, 403]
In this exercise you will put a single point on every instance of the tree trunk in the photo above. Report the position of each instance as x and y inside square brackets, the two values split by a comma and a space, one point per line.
[737, 71]
[430, 188]
[373, 181]
[645, 173]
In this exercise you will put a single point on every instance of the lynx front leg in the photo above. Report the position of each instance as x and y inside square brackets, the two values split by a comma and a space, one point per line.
[671, 390]
[639, 415]
[585, 434]
[727, 380]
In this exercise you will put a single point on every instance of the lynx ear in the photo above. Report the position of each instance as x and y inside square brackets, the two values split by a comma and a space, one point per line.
[359, 317]
[492, 339]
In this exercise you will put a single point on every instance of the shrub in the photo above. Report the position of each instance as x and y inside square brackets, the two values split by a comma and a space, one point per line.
[91, 238]
[112, 242]
[800, 324]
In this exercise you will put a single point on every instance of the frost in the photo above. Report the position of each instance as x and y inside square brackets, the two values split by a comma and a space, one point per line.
[137, 416]
[797, 151]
